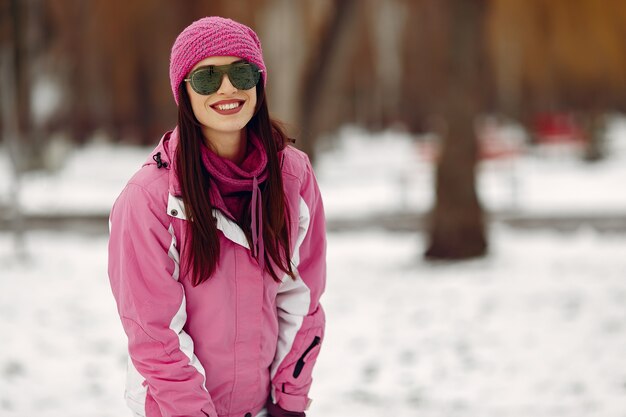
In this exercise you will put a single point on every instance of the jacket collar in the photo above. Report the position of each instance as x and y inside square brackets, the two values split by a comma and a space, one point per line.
[164, 152]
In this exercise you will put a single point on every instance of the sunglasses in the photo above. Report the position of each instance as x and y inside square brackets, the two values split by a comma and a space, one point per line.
[207, 80]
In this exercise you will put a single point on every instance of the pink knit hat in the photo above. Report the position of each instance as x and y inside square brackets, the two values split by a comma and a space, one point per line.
[213, 36]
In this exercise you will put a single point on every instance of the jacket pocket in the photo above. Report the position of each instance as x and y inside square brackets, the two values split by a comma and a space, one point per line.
[296, 378]
[312, 349]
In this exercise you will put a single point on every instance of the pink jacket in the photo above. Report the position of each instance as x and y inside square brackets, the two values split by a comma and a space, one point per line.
[223, 347]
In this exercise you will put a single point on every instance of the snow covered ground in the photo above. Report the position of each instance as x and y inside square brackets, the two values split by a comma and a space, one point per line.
[537, 329]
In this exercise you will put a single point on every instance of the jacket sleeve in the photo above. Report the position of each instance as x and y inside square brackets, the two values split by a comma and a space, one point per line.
[143, 271]
[300, 315]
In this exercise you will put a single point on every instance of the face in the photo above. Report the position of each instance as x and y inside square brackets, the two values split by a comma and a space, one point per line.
[226, 111]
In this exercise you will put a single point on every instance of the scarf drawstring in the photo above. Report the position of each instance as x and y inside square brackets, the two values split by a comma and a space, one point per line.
[256, 208]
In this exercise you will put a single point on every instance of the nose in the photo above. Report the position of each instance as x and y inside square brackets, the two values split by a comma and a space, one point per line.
[226, 87]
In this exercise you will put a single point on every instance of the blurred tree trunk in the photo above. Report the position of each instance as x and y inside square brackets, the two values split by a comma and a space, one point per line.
[22, 32]
[9, 122]
[424, 57]
[457, 229]
[316, 78]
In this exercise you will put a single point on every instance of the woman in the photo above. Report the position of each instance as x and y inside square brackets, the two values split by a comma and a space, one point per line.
[217, 247]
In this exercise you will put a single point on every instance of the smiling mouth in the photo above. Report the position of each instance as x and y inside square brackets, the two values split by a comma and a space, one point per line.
[230, 107]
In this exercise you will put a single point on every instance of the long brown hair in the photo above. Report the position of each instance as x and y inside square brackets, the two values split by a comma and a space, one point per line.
[203, 246]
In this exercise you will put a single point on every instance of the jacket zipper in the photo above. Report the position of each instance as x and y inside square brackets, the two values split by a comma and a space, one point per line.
[300, 363]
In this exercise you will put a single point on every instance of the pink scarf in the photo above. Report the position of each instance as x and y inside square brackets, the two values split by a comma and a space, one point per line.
[231, 184]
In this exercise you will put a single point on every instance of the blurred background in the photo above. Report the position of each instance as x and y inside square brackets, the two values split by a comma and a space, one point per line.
[472, 160]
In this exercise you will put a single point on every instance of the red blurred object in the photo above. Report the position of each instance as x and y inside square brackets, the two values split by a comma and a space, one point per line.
[557, 128]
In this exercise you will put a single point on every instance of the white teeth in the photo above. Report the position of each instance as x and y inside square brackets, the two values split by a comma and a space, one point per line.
[229, 106]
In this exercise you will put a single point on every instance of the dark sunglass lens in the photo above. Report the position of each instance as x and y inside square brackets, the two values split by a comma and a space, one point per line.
[244, 76]
[206, 81]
